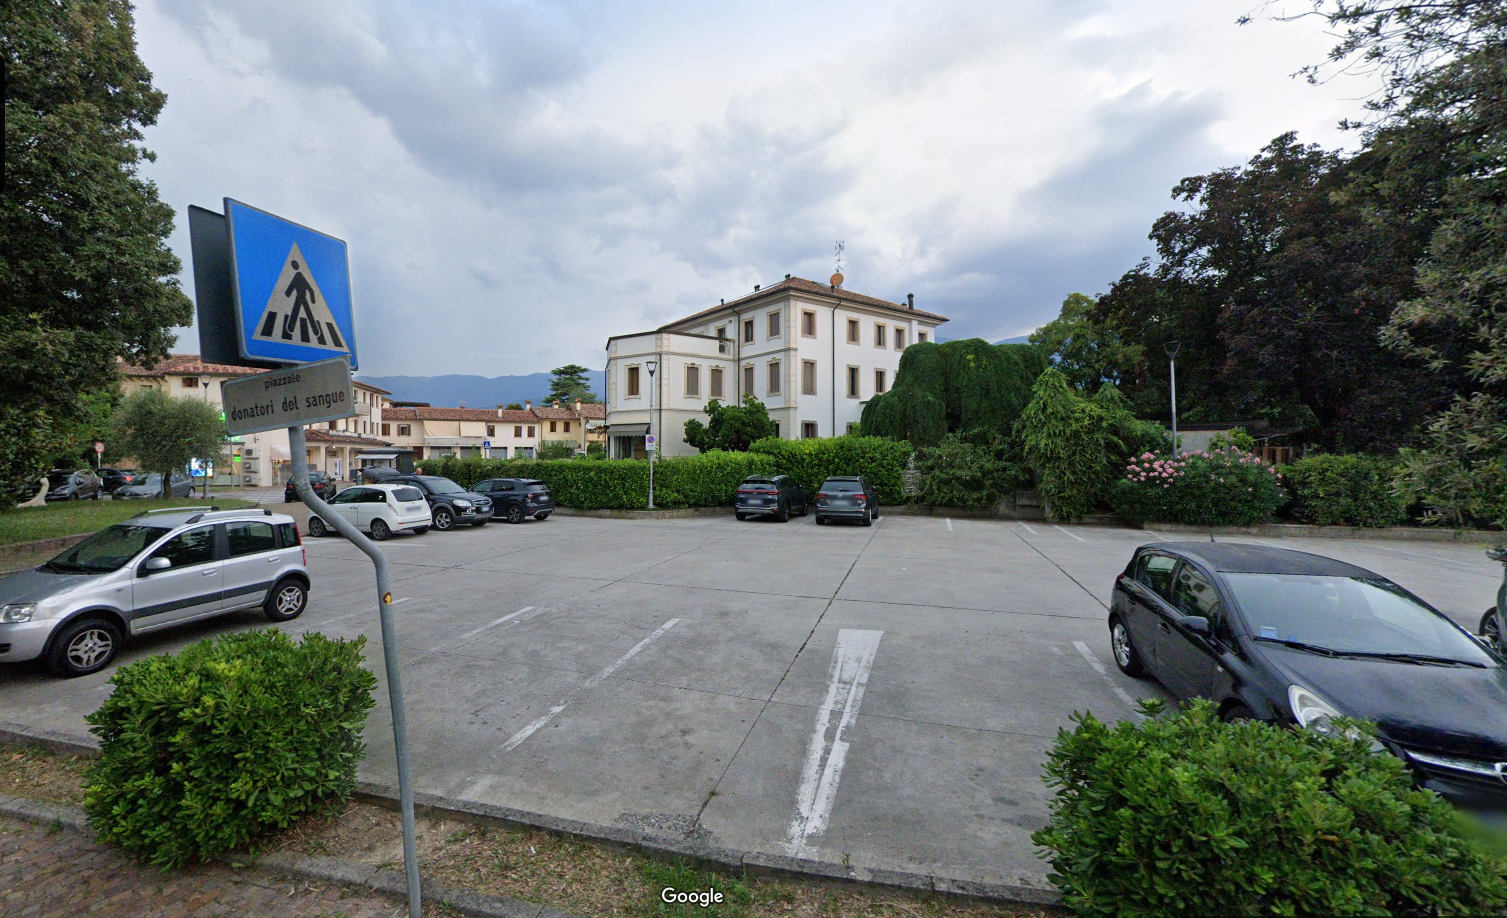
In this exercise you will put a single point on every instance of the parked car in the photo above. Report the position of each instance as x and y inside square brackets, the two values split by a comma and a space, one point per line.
[847, 497]
[324, 487]
[379, 509]
[778, 496]
[112, 479]
[73, 484]
[449, 503]
[375, 473]
[1294, 638]
[517, 499]
[156, 570]
[150, 486]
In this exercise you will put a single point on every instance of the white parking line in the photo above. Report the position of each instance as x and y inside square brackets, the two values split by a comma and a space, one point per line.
[518, 738]
[1073, 534]
[1027, 528]
[949, 524]
[475, 631]
[1465, 565]
[341, 618]
[1104, 674]
[851, 661]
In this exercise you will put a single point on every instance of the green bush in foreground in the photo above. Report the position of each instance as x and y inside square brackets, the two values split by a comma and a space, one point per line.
[1218, 487]
[707, 480]
[202, 750]
[1186, 815]
[1345, 491]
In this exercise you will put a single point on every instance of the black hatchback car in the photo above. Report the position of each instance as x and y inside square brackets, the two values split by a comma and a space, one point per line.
[114, 479]
[449, 502]
[323, 485]
[74, 484]
[1294, 638]
[848, 497]
[779, 496]
[517, 499]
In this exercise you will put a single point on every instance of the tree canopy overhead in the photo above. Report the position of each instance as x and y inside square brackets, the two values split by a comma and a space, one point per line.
[569, 383]
[955, 387]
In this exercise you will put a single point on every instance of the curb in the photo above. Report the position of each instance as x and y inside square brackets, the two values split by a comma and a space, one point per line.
[1024, 890]
[1303, 531]
[683, 514]
[324, 869]
[56, 543]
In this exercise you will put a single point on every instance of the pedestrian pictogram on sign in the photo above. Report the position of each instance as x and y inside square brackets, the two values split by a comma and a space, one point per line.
[296, 312]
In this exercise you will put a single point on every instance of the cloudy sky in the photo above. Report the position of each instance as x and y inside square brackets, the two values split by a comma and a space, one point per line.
[517, 181]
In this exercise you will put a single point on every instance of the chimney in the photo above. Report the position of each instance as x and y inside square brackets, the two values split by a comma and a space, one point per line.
[756, 288]
[499, 411]
[528, 404]
[557, 403]
[910, 300]
[578, 406]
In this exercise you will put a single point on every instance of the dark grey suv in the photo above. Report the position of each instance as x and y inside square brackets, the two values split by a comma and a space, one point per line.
[778, 496]
[847, 498]
[450, 503]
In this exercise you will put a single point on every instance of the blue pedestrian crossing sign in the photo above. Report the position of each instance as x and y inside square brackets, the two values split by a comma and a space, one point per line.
[291, 290]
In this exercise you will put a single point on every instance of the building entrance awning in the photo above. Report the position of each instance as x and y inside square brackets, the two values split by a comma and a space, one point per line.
[627, 430]
[378, 453]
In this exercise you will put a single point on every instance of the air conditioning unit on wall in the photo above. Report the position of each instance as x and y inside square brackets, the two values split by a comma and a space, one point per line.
[248, 452]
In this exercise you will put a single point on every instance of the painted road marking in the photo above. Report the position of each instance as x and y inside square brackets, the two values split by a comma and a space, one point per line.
[518, 738]
[341, 618]
[1158, 535]
[949, 524]
[475, 631]
[1104, 674]
[851, 661]
[1073, 534]
[1028, 529]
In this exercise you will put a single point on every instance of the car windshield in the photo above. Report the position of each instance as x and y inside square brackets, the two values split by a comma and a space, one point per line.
[56, 479]
[537, 486]
[1348, 615]
[841, 487]
[153, 480]
[406, 494]
[106, 550]
[443, 486]
[758, 485]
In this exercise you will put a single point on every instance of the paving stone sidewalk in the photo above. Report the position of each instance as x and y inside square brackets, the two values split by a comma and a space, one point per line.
[55, 873]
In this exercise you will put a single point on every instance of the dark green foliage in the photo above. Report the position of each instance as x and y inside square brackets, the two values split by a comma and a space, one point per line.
[1353, 490]
[555, 449]
[1185, 815]
[956, 387]
[1135, 436]
[707, 480]
[1070, 444]
[731, 428]
[568, 383]
[86, 275]
[1089, 354]
[1459, 473]
[163, 432]
[1220, 487]
[810, 462]
[957, 473]
[202, 750]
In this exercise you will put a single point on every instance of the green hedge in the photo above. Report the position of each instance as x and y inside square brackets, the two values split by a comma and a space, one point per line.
[708, 480]
[202, 750]
[1185, 815]
[1221, 487]
[957, 387]
[1331, 490]
[810, 462]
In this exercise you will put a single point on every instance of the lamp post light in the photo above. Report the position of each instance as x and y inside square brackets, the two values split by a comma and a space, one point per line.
[651, 366]
[1172, 348]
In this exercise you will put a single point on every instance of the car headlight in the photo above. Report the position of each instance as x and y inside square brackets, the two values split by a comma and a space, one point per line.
[460, 502]
[1314, 713]
[18, 612]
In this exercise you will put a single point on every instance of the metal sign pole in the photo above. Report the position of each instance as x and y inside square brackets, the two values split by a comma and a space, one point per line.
[298, 452]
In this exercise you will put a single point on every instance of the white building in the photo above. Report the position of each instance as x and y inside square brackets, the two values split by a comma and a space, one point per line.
[813, 353]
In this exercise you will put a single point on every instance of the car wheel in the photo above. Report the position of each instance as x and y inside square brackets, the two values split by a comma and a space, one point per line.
[286, 498]
[784, 515]
[444, 519]
[1491, 630]
[515, 514]
[821, 520]
[541, 517]
[286, 601]
[805, 510]
[380, 532]
[1237, 713]
[421, 530]
[741, 516]
[1126, 656]
[84, 647]
[317, 528]
[868, 519]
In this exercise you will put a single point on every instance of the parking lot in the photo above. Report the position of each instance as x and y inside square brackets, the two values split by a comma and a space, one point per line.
[881, 697]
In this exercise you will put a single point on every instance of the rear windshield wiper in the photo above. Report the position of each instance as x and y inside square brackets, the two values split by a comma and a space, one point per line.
[1422, 659]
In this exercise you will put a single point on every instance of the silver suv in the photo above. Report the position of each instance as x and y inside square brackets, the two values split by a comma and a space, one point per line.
[156, 570]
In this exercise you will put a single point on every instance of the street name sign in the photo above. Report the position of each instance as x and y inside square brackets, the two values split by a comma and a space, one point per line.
[306, 394]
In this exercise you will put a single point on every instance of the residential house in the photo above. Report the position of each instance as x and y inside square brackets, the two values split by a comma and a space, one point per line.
[571, 422]
[430, 433]
[813, 353]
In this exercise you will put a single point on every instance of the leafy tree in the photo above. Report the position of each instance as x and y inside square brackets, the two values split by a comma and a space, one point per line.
[163, 433]
[86, 276]
[556, 449]
[956, 387]
[1070, 444]
[1088, 354]
[569, 383]
[514, 406]
[730, 427]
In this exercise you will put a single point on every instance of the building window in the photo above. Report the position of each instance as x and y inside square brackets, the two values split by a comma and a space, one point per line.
[878, 382]
[633, 382]
[721, 332]
[692, 382]
[405, 430]
[553, 426]
[852, 382]
[879, 335]
[808, 377]
[808, 430]
[491, 430]
[776, 428]
[774, 324]
[714, 382]
[567, 427]
[920, 337]
[531, 431]
[899, 339]
[332, 426]
[852, 331]
[748, 380]
[774, 377]
[748, 331]
[386, 430]
[808, 323]
[518, 432]
[190, 382]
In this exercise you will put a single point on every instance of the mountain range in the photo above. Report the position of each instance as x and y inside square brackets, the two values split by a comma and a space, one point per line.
[458, 391]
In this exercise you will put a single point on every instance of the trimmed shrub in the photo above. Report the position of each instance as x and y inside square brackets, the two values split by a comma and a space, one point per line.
[708, 480]
[1186, 815]
[1222, 487]
[556, 449]
[956, 387]
[957, 473]
[1069, 442]
[813, 461]
[1344, 491]
[202, 750]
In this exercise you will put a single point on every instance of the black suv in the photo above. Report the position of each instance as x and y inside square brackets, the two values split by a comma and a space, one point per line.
[73, 484]
[516, 499]
[847, 498]
[114, 479]
[323, 485]
[778, 496]
[449, 502]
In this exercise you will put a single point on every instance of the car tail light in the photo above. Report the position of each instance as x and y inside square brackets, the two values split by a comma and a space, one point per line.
[821, 498]
[777, 493]
[745, 490]
[861, 496]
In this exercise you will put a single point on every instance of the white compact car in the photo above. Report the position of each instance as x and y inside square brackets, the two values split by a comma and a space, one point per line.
[379, 509]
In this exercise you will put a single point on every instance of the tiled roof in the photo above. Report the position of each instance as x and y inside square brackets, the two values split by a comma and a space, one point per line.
[806, 286]
[400, 414]
[367, 385]
[596, 412]
[513, 415]
[551, 413]
[331, 436]
[184, 365]
[460, 414]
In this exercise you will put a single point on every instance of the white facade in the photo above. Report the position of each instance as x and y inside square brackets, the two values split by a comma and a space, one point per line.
[790, 346]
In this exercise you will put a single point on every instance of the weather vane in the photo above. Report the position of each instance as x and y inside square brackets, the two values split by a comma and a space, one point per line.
[837, 263]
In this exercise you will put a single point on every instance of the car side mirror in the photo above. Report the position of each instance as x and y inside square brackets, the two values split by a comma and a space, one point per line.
[156, 564]
[1196, 624]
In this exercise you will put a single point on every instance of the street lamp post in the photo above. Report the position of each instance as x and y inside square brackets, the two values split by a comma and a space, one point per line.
[1172, 349]
[651, 366]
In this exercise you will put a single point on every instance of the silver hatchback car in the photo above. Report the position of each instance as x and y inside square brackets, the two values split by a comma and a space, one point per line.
[156, 570]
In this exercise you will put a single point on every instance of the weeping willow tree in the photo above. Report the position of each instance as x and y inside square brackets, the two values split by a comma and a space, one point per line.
[958, 387]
